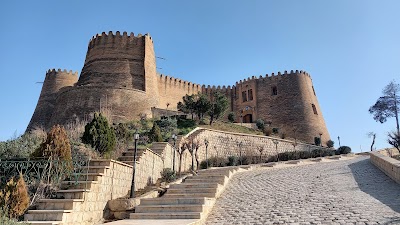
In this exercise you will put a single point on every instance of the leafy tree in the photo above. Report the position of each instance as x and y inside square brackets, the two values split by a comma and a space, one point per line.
[260, 124]
[387, 105]
[99, 134]
[56, 146]
[219, 104]
[188, 105]
[202, 105]
[155, 133]
[317, 141]
[231, 117]
[373, 136]
[344, 150]
[330, 143]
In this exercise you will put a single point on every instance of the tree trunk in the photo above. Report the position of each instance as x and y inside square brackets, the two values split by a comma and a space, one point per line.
[373, 142]
[180, 162]
[396, 113]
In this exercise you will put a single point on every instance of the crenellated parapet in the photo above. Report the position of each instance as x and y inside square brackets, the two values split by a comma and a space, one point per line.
[59, 72]
[176, 82]
[117, 40]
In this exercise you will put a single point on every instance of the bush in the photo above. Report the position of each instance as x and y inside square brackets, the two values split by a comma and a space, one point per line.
[282, 135]
[343, 150]
[330, 143]
[99, 134]
[260, 124]
[185, 123]
[317, 141]
[231, 117]
[168, 175]
[167, 127]
[155, 134]
[267, 131]
[232, 161]
[275, 130]
[5, 220]
[56, 146]
[20, 147]
[14, 198]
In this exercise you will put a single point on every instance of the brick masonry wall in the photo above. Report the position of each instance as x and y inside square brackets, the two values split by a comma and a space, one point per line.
[388, 165]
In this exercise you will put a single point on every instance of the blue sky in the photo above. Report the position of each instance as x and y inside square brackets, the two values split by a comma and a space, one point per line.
[350, 48]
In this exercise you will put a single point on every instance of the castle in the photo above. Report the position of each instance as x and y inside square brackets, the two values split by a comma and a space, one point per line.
[120, 72]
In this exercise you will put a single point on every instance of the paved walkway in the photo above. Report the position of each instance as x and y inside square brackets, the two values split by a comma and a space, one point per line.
[344, 192]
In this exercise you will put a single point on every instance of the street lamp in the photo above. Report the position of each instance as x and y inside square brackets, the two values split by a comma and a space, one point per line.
[276, 149]
[173, 163]
[338, 140]
[136, 137]
[320, 139]
[206, 144]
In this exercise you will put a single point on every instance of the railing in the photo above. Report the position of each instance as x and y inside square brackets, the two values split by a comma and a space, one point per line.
[44, 177]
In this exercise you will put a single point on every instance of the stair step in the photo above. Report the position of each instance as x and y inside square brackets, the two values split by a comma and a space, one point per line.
[191, 190]
[194, 185]
[183, 195]
[73, 190]
[60, 200]
[45, 222]
[175, 201]
[87, 174]
[168, 208]
[38, 211]
[205, 180]
[180, 215]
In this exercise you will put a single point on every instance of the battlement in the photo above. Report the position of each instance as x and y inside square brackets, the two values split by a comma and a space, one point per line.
[176, 81]
[273, 76]
[59, 72]
[116, 39]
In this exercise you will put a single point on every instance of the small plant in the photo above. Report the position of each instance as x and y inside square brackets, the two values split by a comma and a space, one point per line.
[232, 161]
[231, 117]
[168, 175]
[275, 130]
[330, 143]
[56, 146]
[260, 124]
[14, 198]
[267, 131]
[344, 150]
[282, 135]
[99, 134]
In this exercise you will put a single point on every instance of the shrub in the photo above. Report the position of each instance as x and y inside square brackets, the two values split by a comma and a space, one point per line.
[167, 127]
[14, 198]
[282, 135]
[168, 175]
[231, 117]
[260, 124]
[267, 131]
[99, 134]
[56, 146]
[155, 134]
[185, 123]
[20, 147]
[317, 141]
[232, 161]
[343, 150]
[330, 143]
[275, 130]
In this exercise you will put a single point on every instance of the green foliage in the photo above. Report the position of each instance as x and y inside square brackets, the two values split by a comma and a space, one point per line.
[275, 130]
[232, 161]
[123, 133]
[267, 131]
[188, 105]
[388, 105]
[219, 105]
[168, 175]
[260, 124]
[5, 220]
[202, 105]
[56, 146]
[317, 141]
[99, 134]
[167, 127]
[19, 147]
[343, 150]
[155, 134]
[231, 117]
[14, 198]
[186, 123]
[330, 143]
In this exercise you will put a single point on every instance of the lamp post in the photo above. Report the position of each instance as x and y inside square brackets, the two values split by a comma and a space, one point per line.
[276, 149]
[173, 161]
[206, 144]
[320, 139]
[136, 137]
[338, 140]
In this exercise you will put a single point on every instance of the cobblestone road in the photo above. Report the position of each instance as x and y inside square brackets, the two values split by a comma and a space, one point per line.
[343, 192]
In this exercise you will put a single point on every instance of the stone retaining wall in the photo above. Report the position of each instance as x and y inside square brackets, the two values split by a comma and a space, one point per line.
[388, 165]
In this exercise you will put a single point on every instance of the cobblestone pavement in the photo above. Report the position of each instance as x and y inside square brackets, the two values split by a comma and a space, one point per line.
[343, 192]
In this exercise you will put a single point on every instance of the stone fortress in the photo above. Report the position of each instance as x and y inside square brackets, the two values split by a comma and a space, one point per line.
[120, 73]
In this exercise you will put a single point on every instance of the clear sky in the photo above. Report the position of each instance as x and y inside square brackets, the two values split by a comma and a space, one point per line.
[350, 48]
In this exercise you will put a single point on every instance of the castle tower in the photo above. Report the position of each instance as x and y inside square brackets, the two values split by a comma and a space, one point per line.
[53, 82]
[119, 75]
[290, 103]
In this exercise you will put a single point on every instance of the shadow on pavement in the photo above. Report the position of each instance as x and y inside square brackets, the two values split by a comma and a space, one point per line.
[375, 183]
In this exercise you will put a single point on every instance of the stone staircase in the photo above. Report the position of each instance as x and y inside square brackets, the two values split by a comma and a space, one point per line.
[71, 206]
[128, 155]
[191, 199]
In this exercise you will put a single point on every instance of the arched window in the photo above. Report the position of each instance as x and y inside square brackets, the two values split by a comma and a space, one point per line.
[250, 94]
[314, 109]
[274, 90]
